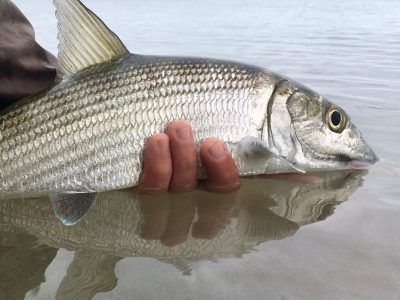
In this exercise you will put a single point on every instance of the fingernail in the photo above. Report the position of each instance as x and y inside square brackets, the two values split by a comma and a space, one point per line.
[217, 151]
[184, 133]
[163, 145]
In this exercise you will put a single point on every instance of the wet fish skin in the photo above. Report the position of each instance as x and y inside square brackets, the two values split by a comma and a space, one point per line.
[88, 133]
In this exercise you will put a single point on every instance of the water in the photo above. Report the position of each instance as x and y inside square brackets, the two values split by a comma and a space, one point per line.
[348, 51]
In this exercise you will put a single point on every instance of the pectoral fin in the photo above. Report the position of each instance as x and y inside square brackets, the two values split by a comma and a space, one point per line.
[255, 147]
[84, 40]
[71, 208]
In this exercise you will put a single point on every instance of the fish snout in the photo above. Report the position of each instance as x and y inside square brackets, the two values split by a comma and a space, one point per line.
[367, 159]
[372, 158]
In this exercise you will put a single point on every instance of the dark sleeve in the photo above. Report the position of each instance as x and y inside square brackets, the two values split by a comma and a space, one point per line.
[25, 67]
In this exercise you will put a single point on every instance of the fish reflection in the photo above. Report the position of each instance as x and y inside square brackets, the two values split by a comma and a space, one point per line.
[173, 228]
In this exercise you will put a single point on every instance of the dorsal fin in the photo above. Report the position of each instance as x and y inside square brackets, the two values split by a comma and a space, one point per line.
[84, 40]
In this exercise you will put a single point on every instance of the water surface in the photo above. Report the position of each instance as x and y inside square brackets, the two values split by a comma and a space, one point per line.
[290, 244]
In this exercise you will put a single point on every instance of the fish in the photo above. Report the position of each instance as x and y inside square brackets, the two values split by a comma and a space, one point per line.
[88, 132]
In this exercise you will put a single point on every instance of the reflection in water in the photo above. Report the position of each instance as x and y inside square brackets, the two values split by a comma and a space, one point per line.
[90, 272]
[174, 228]
[23, 262]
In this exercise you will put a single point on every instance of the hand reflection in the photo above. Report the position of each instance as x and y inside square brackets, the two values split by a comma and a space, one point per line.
[170, 217]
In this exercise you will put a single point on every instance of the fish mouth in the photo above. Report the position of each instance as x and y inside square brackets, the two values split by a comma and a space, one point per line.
[364, 164]
[362, 158]
[359, 165]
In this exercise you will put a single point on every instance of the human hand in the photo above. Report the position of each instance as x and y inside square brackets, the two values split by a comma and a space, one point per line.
[170, 162]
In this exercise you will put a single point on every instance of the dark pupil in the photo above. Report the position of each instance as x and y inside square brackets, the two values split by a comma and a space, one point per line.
[335, 118]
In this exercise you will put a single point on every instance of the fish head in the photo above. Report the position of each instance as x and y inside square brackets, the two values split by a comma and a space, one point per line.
[320, 134]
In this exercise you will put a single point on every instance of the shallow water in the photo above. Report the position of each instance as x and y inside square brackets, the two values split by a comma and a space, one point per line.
[270, 241]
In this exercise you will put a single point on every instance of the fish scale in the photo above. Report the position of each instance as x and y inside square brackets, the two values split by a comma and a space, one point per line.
[88, 133]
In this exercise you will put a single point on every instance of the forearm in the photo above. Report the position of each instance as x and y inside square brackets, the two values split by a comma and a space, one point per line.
[25, 67]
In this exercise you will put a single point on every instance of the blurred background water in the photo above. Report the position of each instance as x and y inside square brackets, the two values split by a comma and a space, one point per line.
[348, 51]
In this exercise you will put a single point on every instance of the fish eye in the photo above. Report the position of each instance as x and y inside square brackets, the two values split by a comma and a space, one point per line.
[335, 119]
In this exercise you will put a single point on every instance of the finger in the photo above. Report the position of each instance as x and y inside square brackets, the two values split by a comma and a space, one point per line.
[184, 158]
[157, 165]
[155, 211]
[180, 219]
[221, 169]
[213, 211]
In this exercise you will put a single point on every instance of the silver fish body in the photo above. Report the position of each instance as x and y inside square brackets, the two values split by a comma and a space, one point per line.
[88, 133]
